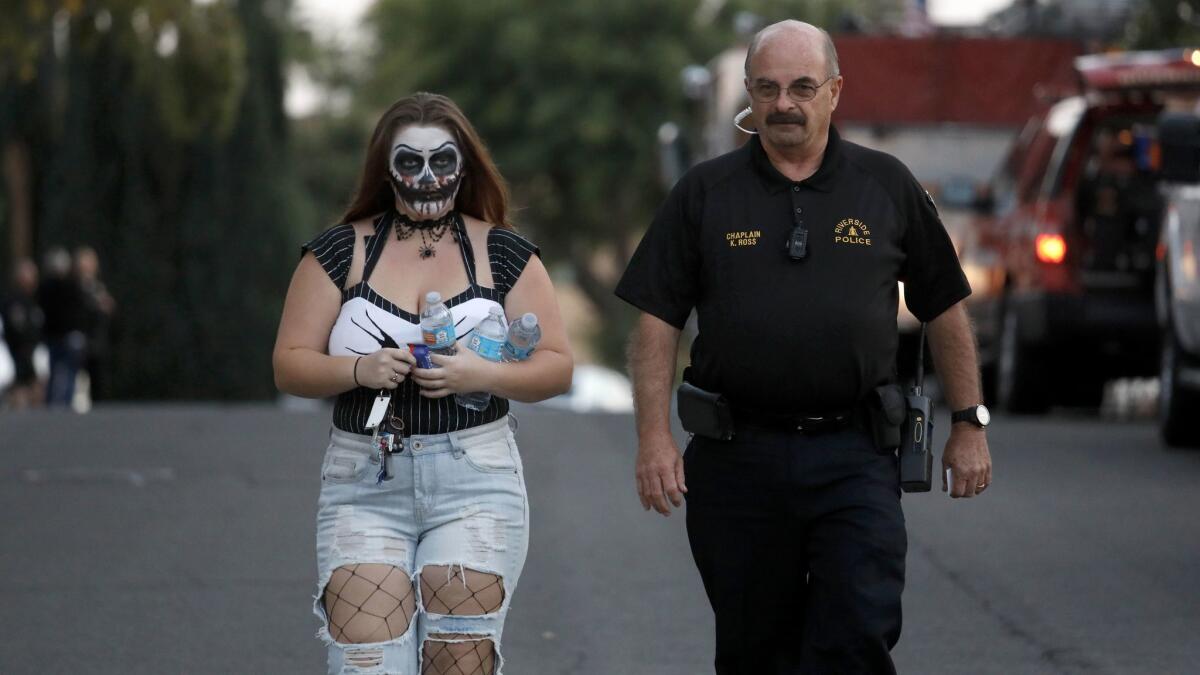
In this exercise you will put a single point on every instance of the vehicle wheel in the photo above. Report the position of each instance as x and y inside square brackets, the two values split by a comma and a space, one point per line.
[1175, 402]
[1020, 387]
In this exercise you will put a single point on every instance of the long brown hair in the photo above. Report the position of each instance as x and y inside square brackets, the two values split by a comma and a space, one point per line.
[483, 193]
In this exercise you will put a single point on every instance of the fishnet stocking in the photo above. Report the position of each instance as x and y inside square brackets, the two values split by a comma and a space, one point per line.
[456, 590]
[474, 657]
[369, 602]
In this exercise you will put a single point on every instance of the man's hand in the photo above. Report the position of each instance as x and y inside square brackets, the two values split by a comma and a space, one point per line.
[952, 344]
[652, 350]
[966, 455]
[660, 474]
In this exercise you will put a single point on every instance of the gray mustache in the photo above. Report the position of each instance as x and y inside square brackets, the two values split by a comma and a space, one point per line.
[786, 118]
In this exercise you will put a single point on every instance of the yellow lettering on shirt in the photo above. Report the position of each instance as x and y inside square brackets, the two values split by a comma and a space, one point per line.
[743, 238]
[852, 231]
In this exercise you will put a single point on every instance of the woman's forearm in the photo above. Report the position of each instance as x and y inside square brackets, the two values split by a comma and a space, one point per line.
[545, 374]
[308, 373]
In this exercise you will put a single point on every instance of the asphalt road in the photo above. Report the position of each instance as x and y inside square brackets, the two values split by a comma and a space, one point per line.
[178, 539]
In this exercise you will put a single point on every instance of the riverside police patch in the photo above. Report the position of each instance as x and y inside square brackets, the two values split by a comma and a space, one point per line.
[852, 231]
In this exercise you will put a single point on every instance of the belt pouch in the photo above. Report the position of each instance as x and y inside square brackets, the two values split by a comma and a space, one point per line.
[885, 411]
[704, 413]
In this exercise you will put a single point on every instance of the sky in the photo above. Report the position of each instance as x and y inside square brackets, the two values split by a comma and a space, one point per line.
[963, 12]
[336, 16]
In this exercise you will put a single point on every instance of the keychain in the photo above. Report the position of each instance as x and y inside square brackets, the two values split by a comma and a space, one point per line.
[389, 440]
[381, 439]
[383, 443]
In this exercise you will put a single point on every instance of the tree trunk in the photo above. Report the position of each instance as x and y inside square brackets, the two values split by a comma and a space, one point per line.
[18, 186]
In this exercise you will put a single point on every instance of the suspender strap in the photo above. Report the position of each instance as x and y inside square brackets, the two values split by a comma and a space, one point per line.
[464, 245]
[375, 243]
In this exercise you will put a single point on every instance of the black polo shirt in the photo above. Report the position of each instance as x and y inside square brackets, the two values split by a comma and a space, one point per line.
[783, 335]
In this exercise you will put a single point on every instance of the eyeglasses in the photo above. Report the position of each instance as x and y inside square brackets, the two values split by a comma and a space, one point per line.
[799, 92]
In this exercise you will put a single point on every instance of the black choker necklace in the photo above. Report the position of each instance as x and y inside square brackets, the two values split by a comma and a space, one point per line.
[431, 231]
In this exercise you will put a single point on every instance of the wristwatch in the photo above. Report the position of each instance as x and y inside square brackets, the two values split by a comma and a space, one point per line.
[976, 414]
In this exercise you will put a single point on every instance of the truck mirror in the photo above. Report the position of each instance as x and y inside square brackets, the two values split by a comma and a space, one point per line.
[1179, 139]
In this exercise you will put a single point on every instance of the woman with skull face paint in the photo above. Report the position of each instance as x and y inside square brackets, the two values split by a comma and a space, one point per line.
[422, 522]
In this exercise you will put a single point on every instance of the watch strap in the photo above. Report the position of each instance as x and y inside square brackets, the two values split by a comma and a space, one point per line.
[966, 415]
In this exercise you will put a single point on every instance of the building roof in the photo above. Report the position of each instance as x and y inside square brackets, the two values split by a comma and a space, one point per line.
[965, 80]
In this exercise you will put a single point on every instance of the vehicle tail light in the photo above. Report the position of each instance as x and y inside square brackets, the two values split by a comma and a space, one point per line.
[1051, 248]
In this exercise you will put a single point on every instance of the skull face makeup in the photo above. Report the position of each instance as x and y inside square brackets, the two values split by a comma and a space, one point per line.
[426, 169]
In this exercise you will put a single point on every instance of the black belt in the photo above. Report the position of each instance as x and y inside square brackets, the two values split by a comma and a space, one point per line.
[744, 418]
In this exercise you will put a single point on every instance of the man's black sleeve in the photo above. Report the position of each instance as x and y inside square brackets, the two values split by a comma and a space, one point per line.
[933, 279]
[663, 276]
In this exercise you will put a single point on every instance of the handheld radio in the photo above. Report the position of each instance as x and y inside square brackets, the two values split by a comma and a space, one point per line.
[916, 436]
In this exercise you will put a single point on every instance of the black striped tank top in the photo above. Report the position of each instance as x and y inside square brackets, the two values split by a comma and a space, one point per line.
[368, 322]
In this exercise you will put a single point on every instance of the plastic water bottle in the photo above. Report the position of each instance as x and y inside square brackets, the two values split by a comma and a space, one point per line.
[487, 340]
[437, 325]
[523, 336]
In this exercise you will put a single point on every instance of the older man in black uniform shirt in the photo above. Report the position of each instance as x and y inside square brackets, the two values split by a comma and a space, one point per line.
[798, 535]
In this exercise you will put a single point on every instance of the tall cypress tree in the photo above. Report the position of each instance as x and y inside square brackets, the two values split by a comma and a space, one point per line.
[166, 149]
[242, 225]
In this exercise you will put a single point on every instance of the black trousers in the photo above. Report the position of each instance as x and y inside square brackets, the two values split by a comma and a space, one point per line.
[800, 543]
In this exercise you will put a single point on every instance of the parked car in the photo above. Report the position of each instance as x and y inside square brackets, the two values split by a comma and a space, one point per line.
[595, 389]
[1178, 281]
[1073, 219]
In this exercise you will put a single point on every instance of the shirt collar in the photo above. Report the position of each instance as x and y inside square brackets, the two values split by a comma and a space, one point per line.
[775, 181]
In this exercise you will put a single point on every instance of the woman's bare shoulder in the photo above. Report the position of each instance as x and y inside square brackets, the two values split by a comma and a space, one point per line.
[475, 227]
[364, 226]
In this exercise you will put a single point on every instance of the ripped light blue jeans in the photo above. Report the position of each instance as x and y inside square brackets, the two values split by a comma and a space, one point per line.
[416, 573]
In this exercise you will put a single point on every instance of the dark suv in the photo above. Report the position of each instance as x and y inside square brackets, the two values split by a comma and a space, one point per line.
[1073, 223]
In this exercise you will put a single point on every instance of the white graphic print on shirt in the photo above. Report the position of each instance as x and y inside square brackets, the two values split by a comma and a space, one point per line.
[363, 327]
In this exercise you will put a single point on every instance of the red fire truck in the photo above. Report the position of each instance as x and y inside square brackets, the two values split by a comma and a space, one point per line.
[1074, 220]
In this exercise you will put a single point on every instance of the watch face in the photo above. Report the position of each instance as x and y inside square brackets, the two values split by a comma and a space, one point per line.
[983, 415]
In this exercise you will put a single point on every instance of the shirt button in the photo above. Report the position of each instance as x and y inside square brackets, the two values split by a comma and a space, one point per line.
[795, 188]
[799, 210]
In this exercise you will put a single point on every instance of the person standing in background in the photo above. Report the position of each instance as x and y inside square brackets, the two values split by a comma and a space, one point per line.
[23, 321]
[98, 307]
[61, 299]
